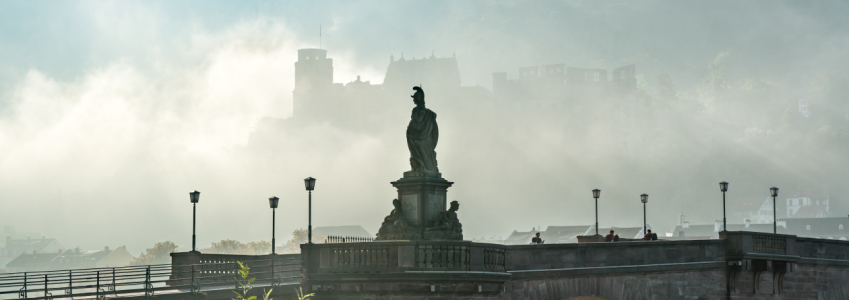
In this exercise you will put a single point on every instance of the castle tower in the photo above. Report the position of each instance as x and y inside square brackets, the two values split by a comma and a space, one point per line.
[313, 74]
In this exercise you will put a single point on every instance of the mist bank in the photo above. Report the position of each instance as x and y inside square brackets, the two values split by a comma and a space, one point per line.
[106, 154]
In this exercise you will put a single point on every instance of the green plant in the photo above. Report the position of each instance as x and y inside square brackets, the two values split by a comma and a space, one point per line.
[245, 285]
[301, 295]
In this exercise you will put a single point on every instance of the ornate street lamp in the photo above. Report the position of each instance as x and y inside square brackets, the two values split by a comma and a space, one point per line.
[644, 198]
[310, 184]
[273, 203]
[723, 186]
[194, 197]
[596, 193]
[774, 192]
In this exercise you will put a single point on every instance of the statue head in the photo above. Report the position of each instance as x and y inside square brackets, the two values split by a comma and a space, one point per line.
[396, 203]
[418, 97]
[454, 205]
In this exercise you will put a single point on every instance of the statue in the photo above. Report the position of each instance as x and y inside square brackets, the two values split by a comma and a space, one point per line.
[422, 135]
[395, 226]
[447, 226]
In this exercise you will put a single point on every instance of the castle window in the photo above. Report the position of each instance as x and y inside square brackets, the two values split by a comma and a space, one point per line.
[596, 76]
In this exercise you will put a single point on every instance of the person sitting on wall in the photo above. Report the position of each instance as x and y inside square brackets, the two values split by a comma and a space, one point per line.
[537, 240]
[616, 238]
[654, 236]
[647, 236]
[609, 237]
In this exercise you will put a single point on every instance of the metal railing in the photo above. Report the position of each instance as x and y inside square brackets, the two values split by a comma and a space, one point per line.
[347, 239]
[143, 280]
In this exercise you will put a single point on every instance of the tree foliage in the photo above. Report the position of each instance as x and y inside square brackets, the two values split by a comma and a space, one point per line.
[236, 247]
[299, 236]
[159, 254]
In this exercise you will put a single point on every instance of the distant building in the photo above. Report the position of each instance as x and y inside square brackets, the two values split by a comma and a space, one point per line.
[808, 203]
[30, 262]
[559, 80]
[803, 108]
[489, 240]
[824, 228]
[569, 234]
[685, 231]
[76, 259]
[757, 210]
[15, 247]
[521, 237]
[70, 259]
[317, 98]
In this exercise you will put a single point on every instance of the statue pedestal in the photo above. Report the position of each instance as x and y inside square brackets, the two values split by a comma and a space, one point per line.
[422, 198]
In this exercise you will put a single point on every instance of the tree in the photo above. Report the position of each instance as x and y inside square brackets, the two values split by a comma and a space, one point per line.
[299, 236]
[236, 247]
[159, 254]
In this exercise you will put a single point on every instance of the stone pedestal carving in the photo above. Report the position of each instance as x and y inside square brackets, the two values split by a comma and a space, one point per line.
[421, 211]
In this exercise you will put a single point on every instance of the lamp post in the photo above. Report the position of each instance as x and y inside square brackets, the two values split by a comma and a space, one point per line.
[723, 186]
[310, 184]
[273, 203]
[194, 197]
[774, 192]
[644, 198]
[596, 193]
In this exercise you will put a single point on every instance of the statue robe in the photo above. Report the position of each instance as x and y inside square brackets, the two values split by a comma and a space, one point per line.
[422, 135]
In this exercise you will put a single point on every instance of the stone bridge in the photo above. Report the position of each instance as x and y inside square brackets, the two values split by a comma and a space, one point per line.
[740, 265]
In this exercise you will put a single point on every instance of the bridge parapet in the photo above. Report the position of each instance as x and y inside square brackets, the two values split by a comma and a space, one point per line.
[413, 266]
[746, 245]
[195, 268]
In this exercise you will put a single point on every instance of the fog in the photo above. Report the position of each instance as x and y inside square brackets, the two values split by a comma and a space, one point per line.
[111, 112]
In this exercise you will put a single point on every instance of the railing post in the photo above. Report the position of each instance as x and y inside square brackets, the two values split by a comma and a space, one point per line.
[45, 286]
[147, 291]
[25, 286]
[70, 282]
[114, 286]
[97, 287]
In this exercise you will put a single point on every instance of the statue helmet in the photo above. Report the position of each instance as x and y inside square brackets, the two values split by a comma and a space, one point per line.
[419, 94]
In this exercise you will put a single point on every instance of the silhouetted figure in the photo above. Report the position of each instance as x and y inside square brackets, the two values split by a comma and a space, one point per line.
[616, 238]
[422, 135]
[647, 236]
[654, 236]
[447, 226]
[537, 240]
[396, 227]
[609, 237]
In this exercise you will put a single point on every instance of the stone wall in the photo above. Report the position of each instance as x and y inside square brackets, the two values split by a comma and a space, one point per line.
[810, 269]
[743, 266]
[624, 270]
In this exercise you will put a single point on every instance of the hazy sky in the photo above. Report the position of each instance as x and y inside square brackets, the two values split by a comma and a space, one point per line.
[110, 112]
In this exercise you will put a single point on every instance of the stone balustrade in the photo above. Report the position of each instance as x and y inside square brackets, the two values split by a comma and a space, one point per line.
[746, 245]
[401, 256]
[204, 268]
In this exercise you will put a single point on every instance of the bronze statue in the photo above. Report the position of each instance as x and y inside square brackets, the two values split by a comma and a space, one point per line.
[422, 135]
